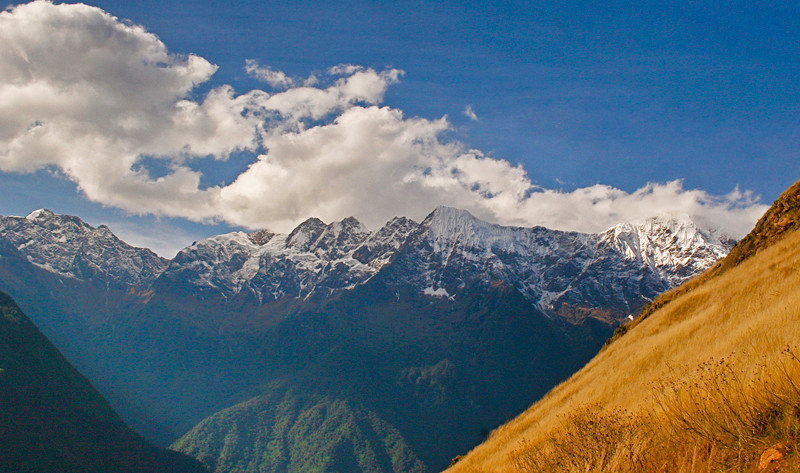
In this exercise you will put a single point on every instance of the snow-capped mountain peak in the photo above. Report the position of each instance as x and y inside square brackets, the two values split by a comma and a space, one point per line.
[339, 237]
[377, 250]
[673, 245]
[313, 257]
[449, 221]
[40, 214]
[305, 234]
[447, 226]
[67, 246]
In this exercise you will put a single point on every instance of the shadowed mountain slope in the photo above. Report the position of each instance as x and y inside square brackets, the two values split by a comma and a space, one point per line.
[52, 419]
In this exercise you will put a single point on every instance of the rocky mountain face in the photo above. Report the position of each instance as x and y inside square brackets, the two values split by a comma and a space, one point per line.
[441, 329]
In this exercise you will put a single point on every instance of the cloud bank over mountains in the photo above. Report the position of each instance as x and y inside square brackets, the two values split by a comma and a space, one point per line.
[100, 100]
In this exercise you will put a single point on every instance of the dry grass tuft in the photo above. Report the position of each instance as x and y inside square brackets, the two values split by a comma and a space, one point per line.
[718, 419]
[590, 441]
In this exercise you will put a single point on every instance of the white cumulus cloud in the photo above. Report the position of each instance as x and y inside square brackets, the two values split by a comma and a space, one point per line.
[95, 99]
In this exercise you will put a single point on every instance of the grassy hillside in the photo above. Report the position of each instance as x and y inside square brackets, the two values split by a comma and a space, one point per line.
[708, 380]
[53, 420]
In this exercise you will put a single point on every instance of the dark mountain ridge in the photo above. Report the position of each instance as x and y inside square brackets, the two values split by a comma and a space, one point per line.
[52, 419]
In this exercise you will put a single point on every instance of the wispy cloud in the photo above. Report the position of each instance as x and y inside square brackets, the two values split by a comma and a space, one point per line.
[276, 79]
[470, 113]
[94, 97]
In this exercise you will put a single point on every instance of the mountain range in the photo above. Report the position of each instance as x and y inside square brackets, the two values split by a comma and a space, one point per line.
[400, 347]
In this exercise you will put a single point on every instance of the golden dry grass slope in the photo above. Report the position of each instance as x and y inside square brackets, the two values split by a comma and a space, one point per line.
[707, 379]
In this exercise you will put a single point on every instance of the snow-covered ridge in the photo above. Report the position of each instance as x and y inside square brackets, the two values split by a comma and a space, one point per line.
[449, 252]
[449, 228]
[314, 258]
[454, 250]
[619, 269]
[67, 246]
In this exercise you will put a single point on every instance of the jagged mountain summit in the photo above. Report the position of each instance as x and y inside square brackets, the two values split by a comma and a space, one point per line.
[314, 258]
[673, 246]
[67, 246]
[449, 251]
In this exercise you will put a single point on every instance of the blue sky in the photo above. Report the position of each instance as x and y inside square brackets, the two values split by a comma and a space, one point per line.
[576, 95]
